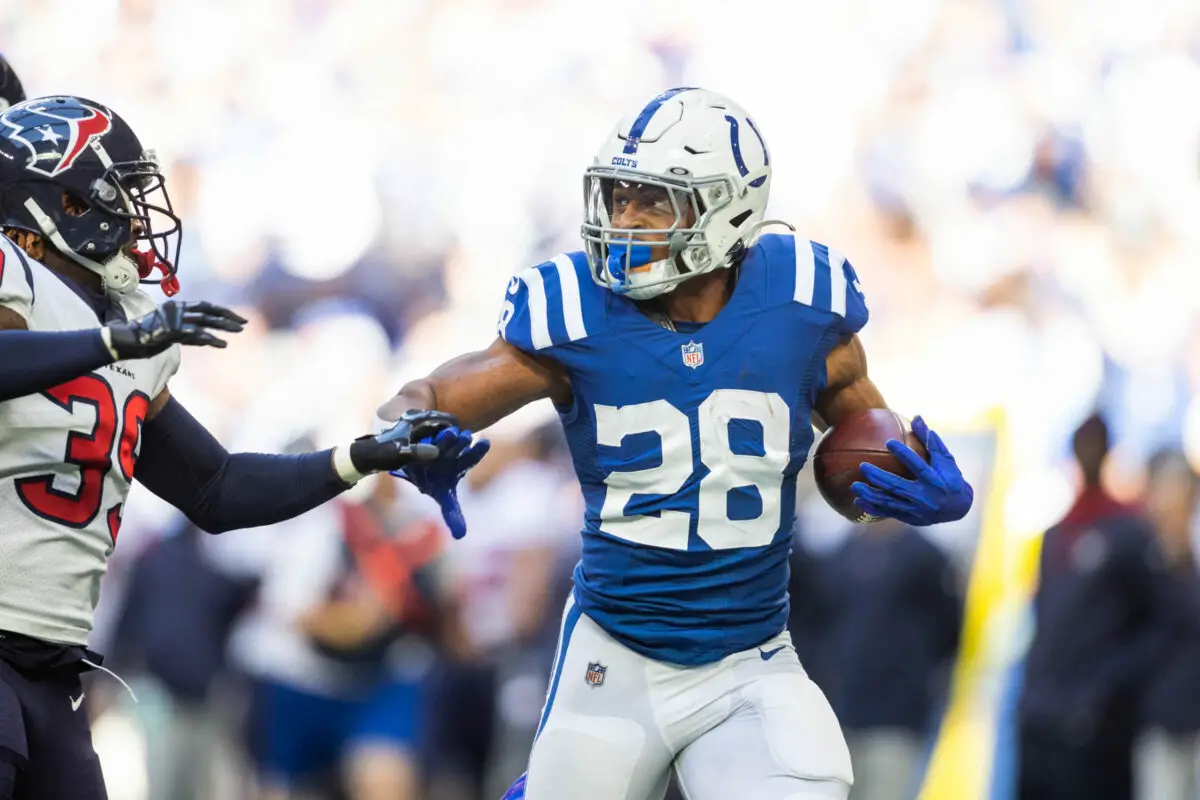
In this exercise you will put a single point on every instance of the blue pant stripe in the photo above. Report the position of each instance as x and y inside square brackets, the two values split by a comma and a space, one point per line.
[568, 628]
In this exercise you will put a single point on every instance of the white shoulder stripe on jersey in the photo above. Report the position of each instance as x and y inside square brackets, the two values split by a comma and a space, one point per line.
[837, 283]
[539, 322]
[806, 271]
[572, 302]
[16, 278]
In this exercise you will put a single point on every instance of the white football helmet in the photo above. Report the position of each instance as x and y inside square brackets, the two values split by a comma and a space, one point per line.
[710, 157]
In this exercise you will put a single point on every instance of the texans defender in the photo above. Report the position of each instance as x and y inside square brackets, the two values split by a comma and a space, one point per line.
[85, 357]
[689, 356]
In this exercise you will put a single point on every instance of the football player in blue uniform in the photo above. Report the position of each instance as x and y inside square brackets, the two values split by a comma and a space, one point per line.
[689, 355]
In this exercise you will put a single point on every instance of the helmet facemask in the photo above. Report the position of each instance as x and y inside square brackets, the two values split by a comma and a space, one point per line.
[135, 192]
[620, 259]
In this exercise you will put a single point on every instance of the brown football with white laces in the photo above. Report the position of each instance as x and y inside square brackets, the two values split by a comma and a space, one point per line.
[858, 439]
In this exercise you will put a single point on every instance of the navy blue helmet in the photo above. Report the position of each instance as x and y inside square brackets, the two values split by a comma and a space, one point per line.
[73, 172]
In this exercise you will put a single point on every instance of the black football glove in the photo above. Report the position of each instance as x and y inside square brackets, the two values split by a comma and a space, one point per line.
[400, 445]
[174, 322]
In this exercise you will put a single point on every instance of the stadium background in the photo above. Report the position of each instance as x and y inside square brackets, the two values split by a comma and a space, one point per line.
[1016, 182]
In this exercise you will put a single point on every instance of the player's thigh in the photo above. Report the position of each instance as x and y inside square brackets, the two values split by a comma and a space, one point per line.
[782, 742]
[61, 760]
[597, 739]
[13, 746]
[13, 750]
[738, 759]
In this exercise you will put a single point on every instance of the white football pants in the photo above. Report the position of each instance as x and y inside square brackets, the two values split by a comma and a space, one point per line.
[749, 726]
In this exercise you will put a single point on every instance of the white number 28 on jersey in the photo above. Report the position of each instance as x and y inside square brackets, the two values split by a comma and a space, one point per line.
[727, 470]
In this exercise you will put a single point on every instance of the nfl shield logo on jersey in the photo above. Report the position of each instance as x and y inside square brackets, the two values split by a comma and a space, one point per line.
[595, 673]
[693, 354]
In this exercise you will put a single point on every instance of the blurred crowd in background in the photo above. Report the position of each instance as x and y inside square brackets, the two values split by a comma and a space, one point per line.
[1017, 183]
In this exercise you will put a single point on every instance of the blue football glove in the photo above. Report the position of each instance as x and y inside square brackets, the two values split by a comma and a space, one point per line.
[439, 477]
[939, 494]
[516, 791]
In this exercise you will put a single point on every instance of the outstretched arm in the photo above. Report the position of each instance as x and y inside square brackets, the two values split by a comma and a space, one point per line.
[482, 387]
[185, 465]
[479, 389]
[36, 361]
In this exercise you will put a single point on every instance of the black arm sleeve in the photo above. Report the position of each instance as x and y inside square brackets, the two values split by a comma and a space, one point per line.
[182, 463]
[34, 361]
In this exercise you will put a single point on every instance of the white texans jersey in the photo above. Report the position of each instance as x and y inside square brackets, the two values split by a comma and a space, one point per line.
[66, 462]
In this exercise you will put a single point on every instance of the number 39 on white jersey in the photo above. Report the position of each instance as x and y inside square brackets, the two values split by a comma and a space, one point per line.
[66, 461]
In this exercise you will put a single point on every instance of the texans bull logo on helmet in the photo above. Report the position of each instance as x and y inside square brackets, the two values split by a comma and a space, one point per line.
[54, 137]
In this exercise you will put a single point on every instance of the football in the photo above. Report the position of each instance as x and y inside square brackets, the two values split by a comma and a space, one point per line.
[861, 438]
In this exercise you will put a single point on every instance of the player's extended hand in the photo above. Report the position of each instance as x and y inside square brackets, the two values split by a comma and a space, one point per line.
[404, 443]
[939, 494]
[174, 322]
[439, 478]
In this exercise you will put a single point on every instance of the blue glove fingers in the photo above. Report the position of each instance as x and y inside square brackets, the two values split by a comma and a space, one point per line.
[916, 465]
[933, 443]
[921, 429]
[883, 479]
[939, 454]
[475, 454]
[880, 499]
[881, 505]
[461, 446]
[452, 513]
[446, 440]
[906, 517]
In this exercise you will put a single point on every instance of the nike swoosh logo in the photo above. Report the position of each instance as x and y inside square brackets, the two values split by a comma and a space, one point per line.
[768, 654]
[76, 702]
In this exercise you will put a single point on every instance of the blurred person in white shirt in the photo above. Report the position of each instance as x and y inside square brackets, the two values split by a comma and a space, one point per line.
[334, 648]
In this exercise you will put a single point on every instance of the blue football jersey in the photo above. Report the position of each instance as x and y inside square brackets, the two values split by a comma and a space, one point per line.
[687, 445]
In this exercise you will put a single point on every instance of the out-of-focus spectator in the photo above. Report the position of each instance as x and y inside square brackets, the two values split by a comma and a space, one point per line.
[490, 689]
[884, 610]
[1169, 705]
[339, 684]
[171, 636]
[1103, 616]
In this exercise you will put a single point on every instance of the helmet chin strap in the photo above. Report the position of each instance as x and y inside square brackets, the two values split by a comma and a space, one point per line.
[119, 274]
